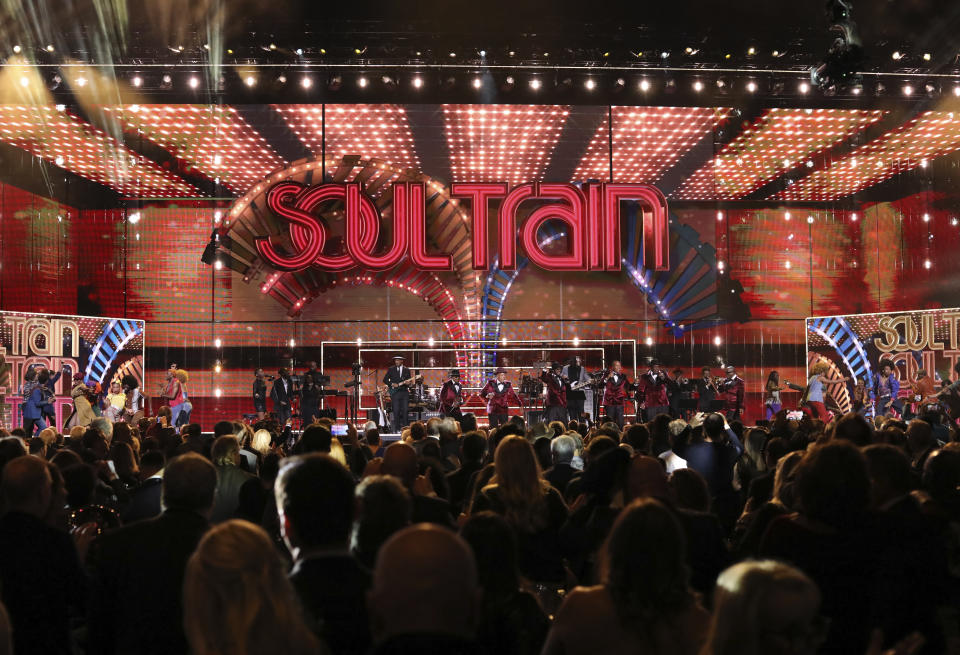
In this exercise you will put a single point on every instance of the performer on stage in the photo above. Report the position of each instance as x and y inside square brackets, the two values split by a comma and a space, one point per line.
[499, 394]
[615, 387]
[863, 398]
[575, 374]
[815, 402]
[556, 404]
[731, 390]
[398, 381]
[281, 393]
[886, 387]
[451, 396]
[680, 392]
[924, 393]
[259, 394]
[706, 390]
[309, 400]
[772, 401]
[652, 391]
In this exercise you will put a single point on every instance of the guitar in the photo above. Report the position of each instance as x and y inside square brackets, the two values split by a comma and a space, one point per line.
[406, 383]
[576, 386]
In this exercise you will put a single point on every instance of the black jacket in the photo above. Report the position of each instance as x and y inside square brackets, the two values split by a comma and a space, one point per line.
[332, 590]
[138, 572]
[144, 501]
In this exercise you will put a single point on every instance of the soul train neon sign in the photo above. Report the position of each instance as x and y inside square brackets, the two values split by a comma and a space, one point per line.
[591, 213]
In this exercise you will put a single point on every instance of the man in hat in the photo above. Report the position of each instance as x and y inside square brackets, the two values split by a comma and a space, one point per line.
[652, 391]
[499, 394]
[398, 382]
[615, 387]
[451, 396]
[731, 390]
[576, 375]
[555, 408]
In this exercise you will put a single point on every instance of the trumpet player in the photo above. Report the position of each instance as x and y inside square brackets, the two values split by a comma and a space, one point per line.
[615, 386]
[707, 389]
[652, 391]
[555, 408]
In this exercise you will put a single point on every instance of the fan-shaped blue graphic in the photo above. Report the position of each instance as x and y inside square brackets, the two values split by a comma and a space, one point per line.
[841, 337]
[115, 336]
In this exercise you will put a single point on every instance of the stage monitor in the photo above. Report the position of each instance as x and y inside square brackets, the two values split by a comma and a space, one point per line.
[855, 344]
[102, 350]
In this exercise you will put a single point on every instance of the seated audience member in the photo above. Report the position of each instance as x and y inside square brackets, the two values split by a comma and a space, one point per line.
[138, 570]
[854, 428]
[145, 499]
[315, 504]
[637, 436]
[678, 431]
[425, 597]
[10, 449]
[383, 508]
[40, 576]
[400, 461]
[690, 490]
[598, 446]
[315, 439]
[237, 598]
[562, 449]
[644, 603]
[471, 460]
[920, 443]
[511, 620]
[765, 608]
[230, 478]
[541, 448]
[833, 540]
[761, 486]
[533, 508]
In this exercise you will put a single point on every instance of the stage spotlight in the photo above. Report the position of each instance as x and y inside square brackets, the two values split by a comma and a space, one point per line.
[389, 82]
[81, 81]
[281, 79]
[362, 82]
[193, 82]
[810, 219]
[644, 85]
[956, 91]
[717, 341]
[804, 87]
[250, 81]
[930, 88]
[619, 83]
[665, 54]
[926, 218]
[508, 83]
[218, 264]
[751, 51]
[17, 49]
[477, 82]
[926, 56]
[453, 55]
[24, 81]
[535, 84]
[134, 218]
[751, 86]
[336, 81]
[576, 341]
[590, 84]
[49, 48]
[417, 82]
[897, 55]
[857, 89]
[483, 53]
[299, 52]
[293, 343]
[306, 81]
[698, 86]
[927, 264]
[907, 90]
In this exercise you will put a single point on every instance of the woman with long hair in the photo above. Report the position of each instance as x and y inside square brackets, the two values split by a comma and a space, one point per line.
[532, 507]
[238, 599]
[772, 401]
[765, 608]
[644, 603]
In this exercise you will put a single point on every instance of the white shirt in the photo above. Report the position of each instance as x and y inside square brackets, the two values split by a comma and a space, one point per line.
[673, 461]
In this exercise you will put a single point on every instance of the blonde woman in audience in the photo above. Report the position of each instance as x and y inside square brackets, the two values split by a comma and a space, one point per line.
[238, 599]
[336, 452]
[261, 442]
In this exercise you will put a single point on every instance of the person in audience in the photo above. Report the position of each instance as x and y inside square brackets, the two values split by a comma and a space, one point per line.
[511, 620]
[765, 608]
[644, 603]
[137, 571]
[678, 431]
[41, 581]
[6, 636]
[237, 598]
[145, 500]
[425, 597]
[230, 478]
[562, 450]
[532, 507]
[383, 508]
[315, 504]
[472, 447]
[400, 460]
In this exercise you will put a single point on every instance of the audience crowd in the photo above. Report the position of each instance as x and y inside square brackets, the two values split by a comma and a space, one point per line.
[671, 537]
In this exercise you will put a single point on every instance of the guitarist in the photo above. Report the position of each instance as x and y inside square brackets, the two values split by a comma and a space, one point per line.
[451, 396]
[398, 381]
[577, 377]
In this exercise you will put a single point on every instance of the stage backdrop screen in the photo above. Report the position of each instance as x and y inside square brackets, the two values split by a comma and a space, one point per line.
[102, 349]
[855, 344]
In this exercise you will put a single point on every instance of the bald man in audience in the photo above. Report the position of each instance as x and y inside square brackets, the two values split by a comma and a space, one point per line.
[40, 574]
[425, 597]
[400, 461]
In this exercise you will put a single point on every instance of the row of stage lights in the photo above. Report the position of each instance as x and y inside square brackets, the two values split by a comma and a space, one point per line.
[537, 82]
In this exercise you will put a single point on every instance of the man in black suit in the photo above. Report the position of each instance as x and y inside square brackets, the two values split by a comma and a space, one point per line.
[40, 575]
[281, 392]
[561, 451]
[315, 503]
[138, 570]
[145, 499]
[399, 392]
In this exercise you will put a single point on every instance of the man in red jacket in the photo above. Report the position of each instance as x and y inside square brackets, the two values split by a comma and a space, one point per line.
[731, 390]
[652, 391]
[499, 394]
[451, 396]
[556, 404]
[615, 386]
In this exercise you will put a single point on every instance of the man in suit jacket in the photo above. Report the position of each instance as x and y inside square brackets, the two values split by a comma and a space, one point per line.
[575, 373]
[40, 575]
[451, 396]
[399, 392]
[499, 394]
[555, 406]
[315, 503]
[615, 387]
[281, 393]
[138, 570]
[652, 391]
[145, 499]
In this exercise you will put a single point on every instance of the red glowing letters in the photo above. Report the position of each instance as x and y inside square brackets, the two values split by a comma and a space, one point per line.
[591, 215]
